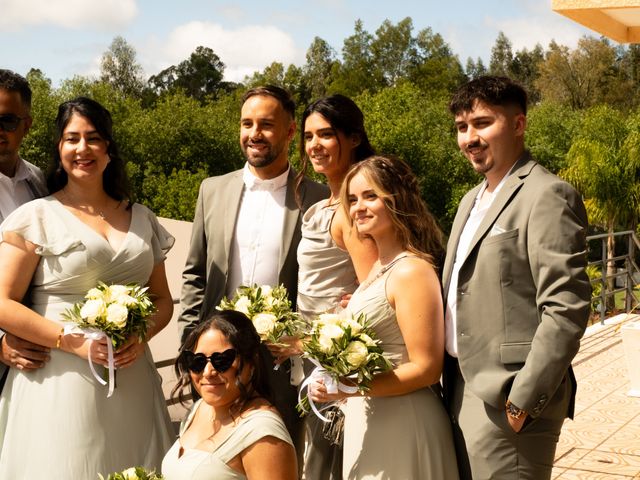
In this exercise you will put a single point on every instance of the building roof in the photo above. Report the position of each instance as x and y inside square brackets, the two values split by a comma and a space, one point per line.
[617, 19]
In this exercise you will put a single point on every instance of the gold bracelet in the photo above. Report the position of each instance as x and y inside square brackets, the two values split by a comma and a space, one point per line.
[59, 341]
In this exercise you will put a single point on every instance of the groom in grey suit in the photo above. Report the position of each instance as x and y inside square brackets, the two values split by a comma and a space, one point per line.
[246, 229]
[20, 182]
[516, 291]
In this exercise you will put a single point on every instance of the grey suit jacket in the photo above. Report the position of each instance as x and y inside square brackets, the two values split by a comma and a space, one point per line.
[206, 270]
[523, 294]
[207, 266]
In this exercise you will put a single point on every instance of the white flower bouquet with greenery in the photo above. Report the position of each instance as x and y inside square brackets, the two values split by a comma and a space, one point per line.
[117, 310]
[269, 309]
[133, 473]
[341, 346]
[113, 311]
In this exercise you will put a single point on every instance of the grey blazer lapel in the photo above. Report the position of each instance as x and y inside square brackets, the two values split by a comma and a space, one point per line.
[291, 215]
[459, 222]
[230, 205]
[509, 189]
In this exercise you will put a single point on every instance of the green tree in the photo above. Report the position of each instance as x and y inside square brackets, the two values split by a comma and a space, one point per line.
[356, 73]
[525, 68]
[120, 68]
[475, 69]
[551, 129]
[393, 51]
[199, 76]
[604, 165]
[435, 70]
[501, 56]
[317, 70]
[37, 146]
[587, 76]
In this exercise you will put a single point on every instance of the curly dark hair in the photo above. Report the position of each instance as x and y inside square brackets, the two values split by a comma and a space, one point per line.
[492, 90]
[394, 182]
[241, 334]
[115, 180]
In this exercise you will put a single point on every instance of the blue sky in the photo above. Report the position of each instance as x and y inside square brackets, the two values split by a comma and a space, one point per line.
[67, 37]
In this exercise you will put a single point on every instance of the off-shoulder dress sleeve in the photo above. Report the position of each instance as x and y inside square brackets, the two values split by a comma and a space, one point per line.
[36, 223]
[161, 240]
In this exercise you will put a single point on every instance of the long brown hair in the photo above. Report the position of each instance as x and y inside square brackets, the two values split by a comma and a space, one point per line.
[394, 182]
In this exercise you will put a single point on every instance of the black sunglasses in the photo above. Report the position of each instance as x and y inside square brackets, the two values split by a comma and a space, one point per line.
[10, 122]
[221, 361]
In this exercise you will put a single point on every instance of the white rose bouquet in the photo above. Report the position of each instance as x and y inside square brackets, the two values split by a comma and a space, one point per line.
[113, 311]
[117, 310]
[133, 473]
[342, 346]
[268, 308]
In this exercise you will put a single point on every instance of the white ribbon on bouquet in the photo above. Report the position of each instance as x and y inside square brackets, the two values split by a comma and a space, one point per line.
[94, 335]
[331, 384]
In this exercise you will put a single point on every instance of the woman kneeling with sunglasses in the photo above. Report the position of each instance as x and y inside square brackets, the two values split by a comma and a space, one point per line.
[232, 431]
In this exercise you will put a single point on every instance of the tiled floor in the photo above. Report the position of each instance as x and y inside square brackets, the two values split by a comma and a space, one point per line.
[603, 440]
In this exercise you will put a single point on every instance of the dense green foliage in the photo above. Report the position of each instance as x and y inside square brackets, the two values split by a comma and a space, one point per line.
[182, 124]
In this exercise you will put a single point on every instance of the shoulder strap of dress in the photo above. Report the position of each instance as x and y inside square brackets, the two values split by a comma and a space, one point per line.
[192, 413]
[257, 425]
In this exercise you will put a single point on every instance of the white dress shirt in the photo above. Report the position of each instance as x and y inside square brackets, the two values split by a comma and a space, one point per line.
[257, 240]
[477, 214]
[14, 191]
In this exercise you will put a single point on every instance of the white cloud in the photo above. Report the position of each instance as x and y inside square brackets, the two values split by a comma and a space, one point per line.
[539, 24]
[76, 14]
[243, 50]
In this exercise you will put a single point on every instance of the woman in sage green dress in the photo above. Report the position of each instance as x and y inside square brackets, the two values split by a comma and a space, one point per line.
[399, 428]
[232, 431]
[56, 421]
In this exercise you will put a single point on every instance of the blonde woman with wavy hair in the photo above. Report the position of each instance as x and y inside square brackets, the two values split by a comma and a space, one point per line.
[401, 298]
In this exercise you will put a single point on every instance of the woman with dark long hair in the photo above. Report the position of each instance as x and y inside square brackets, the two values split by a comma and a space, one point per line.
[332, 257]
[56, 421]
[232, 430]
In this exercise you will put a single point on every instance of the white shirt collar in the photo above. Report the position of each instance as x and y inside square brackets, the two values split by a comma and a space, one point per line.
[253, 183]
[22, 172]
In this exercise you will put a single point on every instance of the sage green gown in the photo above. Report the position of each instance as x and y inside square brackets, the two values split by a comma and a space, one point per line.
[404, 437]
[57, 422]
[325, 274]
[195, 464]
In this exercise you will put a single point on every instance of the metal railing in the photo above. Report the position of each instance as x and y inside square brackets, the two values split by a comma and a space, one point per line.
[628, 275]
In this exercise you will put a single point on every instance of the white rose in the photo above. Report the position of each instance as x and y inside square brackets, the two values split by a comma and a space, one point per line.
[242, 304]
[355, 326]
[118, 290]
[265, 290]
[331, 330]
[326, 344]
[264, 323]
[126, 300]
[329, 318]
[92, 309]
[356, 353]
[130, 474]
[93, 294]
[327, 334]
[117, 314]
[368, 341]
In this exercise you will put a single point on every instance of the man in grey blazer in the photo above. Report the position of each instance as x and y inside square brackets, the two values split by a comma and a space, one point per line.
[246, 229]
[516, 291]
[20, 182]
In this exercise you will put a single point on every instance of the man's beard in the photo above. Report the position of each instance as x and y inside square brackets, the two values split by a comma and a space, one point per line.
[264, 160]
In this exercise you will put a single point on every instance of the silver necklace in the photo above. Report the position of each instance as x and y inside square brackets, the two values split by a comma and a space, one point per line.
[382, 271]
[84, 208]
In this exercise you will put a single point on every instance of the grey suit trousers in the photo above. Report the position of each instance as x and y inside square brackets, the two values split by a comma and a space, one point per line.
[486, 445]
